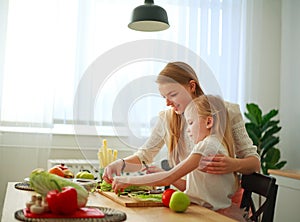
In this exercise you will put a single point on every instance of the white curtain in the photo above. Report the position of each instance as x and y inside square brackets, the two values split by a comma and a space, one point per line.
[49, 45]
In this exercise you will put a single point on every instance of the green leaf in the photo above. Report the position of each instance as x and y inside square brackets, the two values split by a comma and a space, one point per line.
[270, 132]
[264, 170]
[267, 144]
[267, 117]
[253, 132]
[272, 156]
[254, 113]
[262, 130]
[280, 164]
[269, 124]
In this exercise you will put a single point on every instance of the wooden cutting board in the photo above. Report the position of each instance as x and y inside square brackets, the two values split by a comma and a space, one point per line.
[130, 202]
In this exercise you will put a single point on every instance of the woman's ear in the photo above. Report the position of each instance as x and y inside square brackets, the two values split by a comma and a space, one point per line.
[193, 85]
[209, 122]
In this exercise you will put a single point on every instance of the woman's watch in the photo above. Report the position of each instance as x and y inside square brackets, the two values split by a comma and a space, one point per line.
[123, 166]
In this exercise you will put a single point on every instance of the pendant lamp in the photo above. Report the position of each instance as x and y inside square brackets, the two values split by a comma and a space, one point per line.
[149, 18]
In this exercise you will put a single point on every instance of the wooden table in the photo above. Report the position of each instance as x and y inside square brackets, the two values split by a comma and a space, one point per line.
[15, 199]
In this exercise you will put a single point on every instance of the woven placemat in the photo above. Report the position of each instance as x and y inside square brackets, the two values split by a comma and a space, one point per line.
[23, 186]
[111, 215]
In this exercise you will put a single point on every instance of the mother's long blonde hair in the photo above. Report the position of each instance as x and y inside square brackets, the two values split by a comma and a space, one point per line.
[182, 73]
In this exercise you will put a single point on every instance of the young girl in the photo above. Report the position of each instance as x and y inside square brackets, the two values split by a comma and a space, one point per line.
[208, 128]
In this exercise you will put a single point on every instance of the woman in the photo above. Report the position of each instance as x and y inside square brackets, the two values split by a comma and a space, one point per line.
[178, 84]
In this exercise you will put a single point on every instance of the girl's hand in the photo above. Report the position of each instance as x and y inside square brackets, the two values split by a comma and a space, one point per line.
[118, 184]
[219, 164]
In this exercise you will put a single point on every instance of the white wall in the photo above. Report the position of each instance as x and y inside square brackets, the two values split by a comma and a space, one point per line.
[290, 81]
[273, 68]
[263, 36]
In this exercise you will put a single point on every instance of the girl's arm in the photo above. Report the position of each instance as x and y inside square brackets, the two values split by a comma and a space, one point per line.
[162, 178]
[180, 184]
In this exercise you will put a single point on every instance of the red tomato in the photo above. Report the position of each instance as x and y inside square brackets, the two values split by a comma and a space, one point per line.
[166, 196]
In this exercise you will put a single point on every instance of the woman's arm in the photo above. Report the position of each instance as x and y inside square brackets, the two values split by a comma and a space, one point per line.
[221, 164]
[131, 164]
[248, 160]
[145, 153]
[162, 178]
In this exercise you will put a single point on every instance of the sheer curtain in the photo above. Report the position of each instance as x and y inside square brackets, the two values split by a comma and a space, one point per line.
[48, 45]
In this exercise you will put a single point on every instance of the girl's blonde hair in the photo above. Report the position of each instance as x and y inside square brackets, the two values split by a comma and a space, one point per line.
[208, 105]
[182, 73]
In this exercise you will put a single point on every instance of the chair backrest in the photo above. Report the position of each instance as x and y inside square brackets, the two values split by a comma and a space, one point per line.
[165, 165]
[262, 185]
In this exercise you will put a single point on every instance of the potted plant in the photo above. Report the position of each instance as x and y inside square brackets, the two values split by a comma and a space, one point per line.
[263, 129]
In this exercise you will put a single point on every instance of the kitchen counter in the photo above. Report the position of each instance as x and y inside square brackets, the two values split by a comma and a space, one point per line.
[288, 196]
[15, 200]
[294, 174]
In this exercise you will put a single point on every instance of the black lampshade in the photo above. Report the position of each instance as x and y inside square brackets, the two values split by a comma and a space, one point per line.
[149, 18]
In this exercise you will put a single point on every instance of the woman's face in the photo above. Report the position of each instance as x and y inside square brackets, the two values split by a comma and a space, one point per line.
[177, 96]
[197, 128]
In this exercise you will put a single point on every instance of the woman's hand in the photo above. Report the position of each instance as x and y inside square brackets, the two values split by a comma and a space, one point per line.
[112, 169]
[219, 164]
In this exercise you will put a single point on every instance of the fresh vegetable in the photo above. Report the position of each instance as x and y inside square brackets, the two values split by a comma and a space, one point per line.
[166, 196]
[106, 155]
[104, 186]
[63, 200]
[31, 202]
[41, 182]
[147, 197]
[37, 208]
[133, 188]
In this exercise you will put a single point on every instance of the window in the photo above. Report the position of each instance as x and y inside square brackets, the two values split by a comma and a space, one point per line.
[50, 44]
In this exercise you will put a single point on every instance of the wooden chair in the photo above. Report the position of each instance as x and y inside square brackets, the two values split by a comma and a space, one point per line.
[262, 185]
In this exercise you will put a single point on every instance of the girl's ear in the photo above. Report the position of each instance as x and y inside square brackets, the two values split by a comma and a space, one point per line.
[209, 122]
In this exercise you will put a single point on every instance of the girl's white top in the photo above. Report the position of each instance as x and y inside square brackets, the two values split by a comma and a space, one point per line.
[161, 135]
[210, 190]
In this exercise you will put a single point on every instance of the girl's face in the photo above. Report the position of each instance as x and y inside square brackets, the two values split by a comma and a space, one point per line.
[177, 96]
[198, 126]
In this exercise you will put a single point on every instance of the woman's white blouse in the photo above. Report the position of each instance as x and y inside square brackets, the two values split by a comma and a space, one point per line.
[160, 136]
